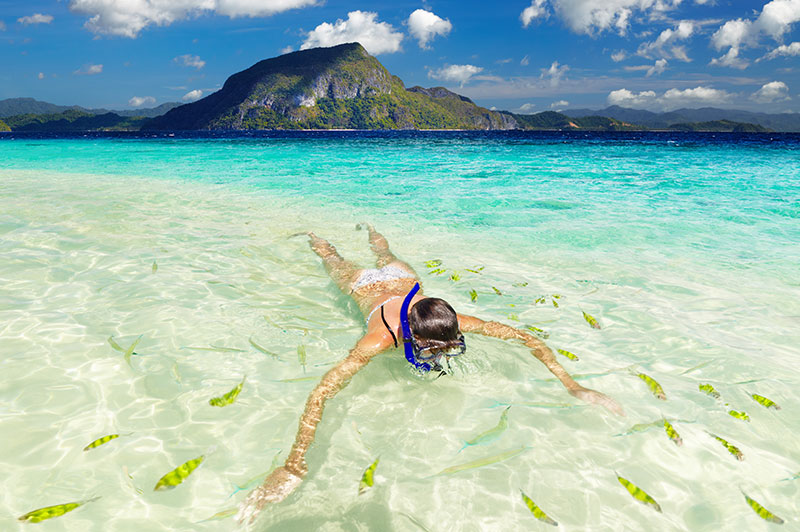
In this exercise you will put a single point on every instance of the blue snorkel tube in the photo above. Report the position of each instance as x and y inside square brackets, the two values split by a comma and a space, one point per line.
[407, 338]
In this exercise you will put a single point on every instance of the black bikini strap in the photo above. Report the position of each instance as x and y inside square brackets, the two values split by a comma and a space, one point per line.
[388, 328]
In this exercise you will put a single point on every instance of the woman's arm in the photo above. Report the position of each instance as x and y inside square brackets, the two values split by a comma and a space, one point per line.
[282, 481]
[471, 324]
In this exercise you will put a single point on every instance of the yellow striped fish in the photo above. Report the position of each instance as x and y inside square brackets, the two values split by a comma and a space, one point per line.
[707, 388]
[100, 441]
[763, 401]
[179, 474]
[638, 493]
[731, 448]
[739, 415]
[672, 433]
[536, 511]
[473, 295]
[368, 478]
[591, 320]
[49, 512]
[762, 512]
[654, 386]
[229, 397]
[571, 356]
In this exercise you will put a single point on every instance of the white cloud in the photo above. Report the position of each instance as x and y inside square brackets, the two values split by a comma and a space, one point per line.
[192, 96]
[424, 26]
[658, 68]
[138, 101]
[286, 50]
[559, 104]
[535, 10]
[89, 70]
[526, 107]
[554, 73]
[665, 45]
[774, 91]
[2, 26]
[619, 56]
[457, 73]
[596, 16]
[787, 50]
[41, 75]
[730, 59]
[525, 61]
[671, 99]
[126, 18]
[190, 61]
[36, 18]
[360, 26]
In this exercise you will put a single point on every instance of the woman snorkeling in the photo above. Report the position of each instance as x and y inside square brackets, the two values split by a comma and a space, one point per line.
[396, 313]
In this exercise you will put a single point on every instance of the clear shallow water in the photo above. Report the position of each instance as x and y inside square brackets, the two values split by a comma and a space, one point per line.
[684, 247]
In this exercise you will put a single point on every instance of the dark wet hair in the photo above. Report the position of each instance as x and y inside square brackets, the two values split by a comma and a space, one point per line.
[434, 324]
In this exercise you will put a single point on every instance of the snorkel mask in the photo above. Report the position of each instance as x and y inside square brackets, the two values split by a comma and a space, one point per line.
[417, 356]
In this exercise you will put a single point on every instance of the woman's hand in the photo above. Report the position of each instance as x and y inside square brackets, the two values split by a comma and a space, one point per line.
[597, 398]
[278, 485]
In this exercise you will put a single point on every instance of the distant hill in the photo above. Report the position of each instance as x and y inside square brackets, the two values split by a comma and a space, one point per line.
[29, 106]
[551, 120]
[73, 120]
[725, 126]
[776, 122]
[327, 88]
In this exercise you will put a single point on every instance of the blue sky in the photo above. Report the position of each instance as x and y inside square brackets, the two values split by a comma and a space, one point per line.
[520, 55]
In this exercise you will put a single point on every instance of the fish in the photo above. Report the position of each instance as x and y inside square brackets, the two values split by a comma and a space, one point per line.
[49, 512]
[536, 511]
[763, 401]
[301, 379]
[541, 333]
[638, 493]
[795, 477]
[179, 474]
[539, 300]
[591, 320]
[707, 388]
[693, 368]
[115, 345]
[672, 433]
[476, 270]
[176, 373]
[496, 291]
[438, 271]
[762, 512]
[513, 317]
[491, 434]
[473, 295]
[731, 448]
[554, 302]
[481, 462]
[655, 387]
[435, 263]
[644, 427]
[137, 489]
[222, 514]
[155, 267]
[455, 276]
[368, 478]
[215, 348]
[571, 356]
[417, 523]
[229, 397]
[129, 351]
[100, 441]
[259, 348]
[258, 479]
[301, 356]
[520, 285]
[556, 296]
[739, 415]
[544, 405]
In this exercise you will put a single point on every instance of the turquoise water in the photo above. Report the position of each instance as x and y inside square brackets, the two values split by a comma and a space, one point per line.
[686, 249]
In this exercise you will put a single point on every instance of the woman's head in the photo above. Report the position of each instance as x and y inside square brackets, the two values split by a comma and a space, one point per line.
[434, 326]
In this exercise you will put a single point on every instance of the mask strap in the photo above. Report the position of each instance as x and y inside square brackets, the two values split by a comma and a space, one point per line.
[407, 338]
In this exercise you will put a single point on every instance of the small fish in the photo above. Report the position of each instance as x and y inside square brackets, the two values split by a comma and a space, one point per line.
[179, 474]
[571, 356]
[223, 514]
[655, 387]
[762, 512]
[115, 345]
[176, 373]
[513, 317]
[455, 276]
[258, 479]
[413, 520]
[473, 295]
[137, 489]
[641, 427]
[368, 478]
[215, 348]
[693, 368]
[496, 291]
[520, 285]
[556, 296]
[476, 270]
[437, 271]
[229, 397]
[539, 300]
[707, 388]
[591, 320]
[638, 493]
[49, 512]
[555, 303]
[795, 477]
[541, 333]
[302, 379]
[739, 415]
[301, 356]
[100, 441]
[731, 448]
[129, 351]
[481, 462]
[536, 511]
[672, 433]
[491, 434]
[433, 263]
[259, 348]
[763, 401]
[155, 267]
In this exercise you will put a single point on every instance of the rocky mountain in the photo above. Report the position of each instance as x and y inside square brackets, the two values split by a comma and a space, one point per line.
[327, 88]
[29, 106]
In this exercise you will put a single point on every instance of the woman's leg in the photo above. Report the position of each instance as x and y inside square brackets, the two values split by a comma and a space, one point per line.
[380, 246]
[342, 271]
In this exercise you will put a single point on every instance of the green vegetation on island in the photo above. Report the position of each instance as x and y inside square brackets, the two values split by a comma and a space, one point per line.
[74, 120]
[720, 126]
[4, 127]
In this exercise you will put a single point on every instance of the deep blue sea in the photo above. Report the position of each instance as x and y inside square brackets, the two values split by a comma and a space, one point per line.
[684, 247]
